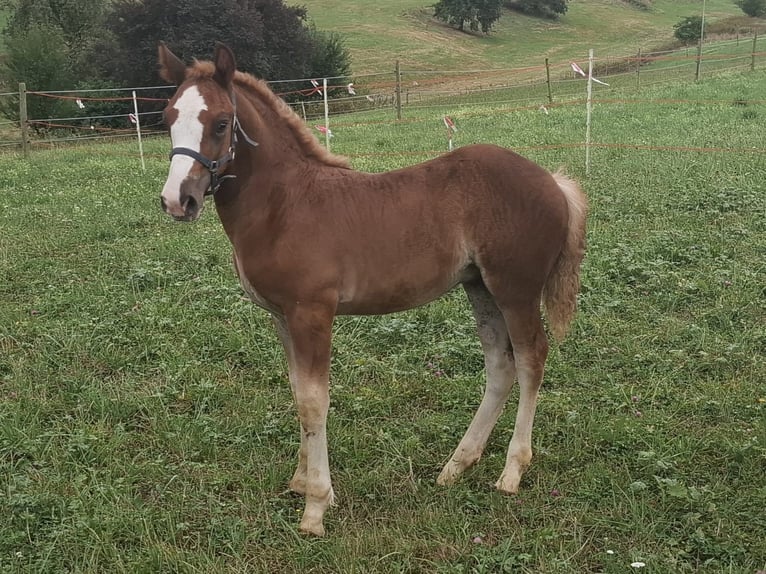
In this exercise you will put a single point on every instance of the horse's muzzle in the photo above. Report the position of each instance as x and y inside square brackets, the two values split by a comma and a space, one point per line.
[189, 209]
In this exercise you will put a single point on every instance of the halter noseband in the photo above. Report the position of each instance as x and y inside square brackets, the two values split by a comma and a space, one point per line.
[214, 166]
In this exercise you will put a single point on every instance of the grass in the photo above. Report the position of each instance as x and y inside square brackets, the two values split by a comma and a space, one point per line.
[146, 424]
[378, 33]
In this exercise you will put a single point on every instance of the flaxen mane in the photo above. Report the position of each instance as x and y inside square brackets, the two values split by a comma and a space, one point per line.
[308, 142]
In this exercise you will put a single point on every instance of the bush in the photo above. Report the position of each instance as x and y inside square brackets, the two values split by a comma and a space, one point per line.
[37, 59]
[689, 29]
[550, 9]
[329, 58]
[478, 14]
[641, 4]
[270, 39]
[755, 8]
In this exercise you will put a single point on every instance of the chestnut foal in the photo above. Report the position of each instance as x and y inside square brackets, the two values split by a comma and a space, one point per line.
[313, 239]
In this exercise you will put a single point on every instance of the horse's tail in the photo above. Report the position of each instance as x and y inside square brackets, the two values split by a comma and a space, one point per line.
[563, 283]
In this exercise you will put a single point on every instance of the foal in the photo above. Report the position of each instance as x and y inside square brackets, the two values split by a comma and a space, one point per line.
[313, 239]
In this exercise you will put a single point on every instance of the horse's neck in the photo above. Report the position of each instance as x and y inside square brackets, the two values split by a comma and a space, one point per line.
[264, 173]
[277, 140]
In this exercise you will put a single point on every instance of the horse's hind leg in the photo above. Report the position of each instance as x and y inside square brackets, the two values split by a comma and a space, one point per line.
[499, 366]
[530, 349]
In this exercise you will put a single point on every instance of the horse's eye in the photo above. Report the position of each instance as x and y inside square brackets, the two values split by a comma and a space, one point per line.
[220, 129]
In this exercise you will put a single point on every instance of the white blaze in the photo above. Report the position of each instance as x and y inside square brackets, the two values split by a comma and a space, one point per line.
[186, 131]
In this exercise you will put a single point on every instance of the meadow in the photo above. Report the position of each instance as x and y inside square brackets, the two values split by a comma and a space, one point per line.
[378, 33]
[146, 423]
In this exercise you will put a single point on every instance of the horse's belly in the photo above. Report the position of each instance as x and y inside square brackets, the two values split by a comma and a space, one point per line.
[249, 290]
[392, 294]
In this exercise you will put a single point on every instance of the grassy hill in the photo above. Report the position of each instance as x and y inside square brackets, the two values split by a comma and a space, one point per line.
[377, 33]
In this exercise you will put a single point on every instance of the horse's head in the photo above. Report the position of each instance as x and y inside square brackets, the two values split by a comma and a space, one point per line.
[201, 118]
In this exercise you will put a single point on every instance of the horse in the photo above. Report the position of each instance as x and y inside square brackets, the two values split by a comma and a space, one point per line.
[313, 238]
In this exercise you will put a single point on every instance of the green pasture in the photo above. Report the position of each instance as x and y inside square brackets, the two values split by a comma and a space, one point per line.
[377, 33]
[146, 423]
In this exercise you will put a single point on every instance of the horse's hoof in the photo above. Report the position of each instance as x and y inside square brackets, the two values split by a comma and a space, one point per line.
[312, 529]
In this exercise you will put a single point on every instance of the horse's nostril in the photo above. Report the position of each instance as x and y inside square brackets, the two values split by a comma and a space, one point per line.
[163, 204]
[189, 205]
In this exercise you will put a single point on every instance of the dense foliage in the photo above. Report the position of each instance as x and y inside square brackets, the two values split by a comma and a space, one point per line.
[99, 43]
[543, 8]
[641, 4]
[755, 8]
[689, 29]
[477, 14]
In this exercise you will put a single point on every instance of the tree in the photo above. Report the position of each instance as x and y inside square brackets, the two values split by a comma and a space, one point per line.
[689, 29]
[477, 13]
[329, 58]
[551, 9]
[755, 8]
[270, 39]
[73, 21]
[45, 40]
[36, 59]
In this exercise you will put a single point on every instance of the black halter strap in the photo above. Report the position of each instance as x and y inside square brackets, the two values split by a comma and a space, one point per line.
[214, 166]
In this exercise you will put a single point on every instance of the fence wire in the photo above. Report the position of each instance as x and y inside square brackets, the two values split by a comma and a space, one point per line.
[102, 114]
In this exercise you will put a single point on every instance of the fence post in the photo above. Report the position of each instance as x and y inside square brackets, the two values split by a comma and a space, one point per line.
[398, 91]
[638, 70]
[138, 131]
[589, 110]
[23, 119]
[548, 80]
[326, 115]
[752, 55]
[699, 61]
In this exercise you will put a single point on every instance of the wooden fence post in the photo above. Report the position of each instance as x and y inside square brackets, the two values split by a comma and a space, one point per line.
[398, 91]
[699, 60]
[23, 119]
[752, 55]
[638, 70]
[548, 80]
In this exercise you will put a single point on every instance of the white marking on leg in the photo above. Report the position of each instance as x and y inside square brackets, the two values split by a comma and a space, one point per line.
[186, 131]
[500, 378]
[500, 372]
[520, 448]
[298, 481]
[313, 404]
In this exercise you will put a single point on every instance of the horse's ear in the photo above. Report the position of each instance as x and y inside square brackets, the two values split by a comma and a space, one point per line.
[224, 65]
[172, 68]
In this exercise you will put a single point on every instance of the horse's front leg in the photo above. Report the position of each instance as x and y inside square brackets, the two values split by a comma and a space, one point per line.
[307, 344]
[298, 481]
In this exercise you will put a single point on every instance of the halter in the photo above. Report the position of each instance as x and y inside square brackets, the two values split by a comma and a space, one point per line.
[214, 166]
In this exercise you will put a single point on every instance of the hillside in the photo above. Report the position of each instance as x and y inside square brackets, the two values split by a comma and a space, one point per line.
[378, 33]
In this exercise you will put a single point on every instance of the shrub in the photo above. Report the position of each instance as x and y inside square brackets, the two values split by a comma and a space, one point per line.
[755, 8]
[37, 59]
[689, 29]
[641, 4]
[550, 9]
